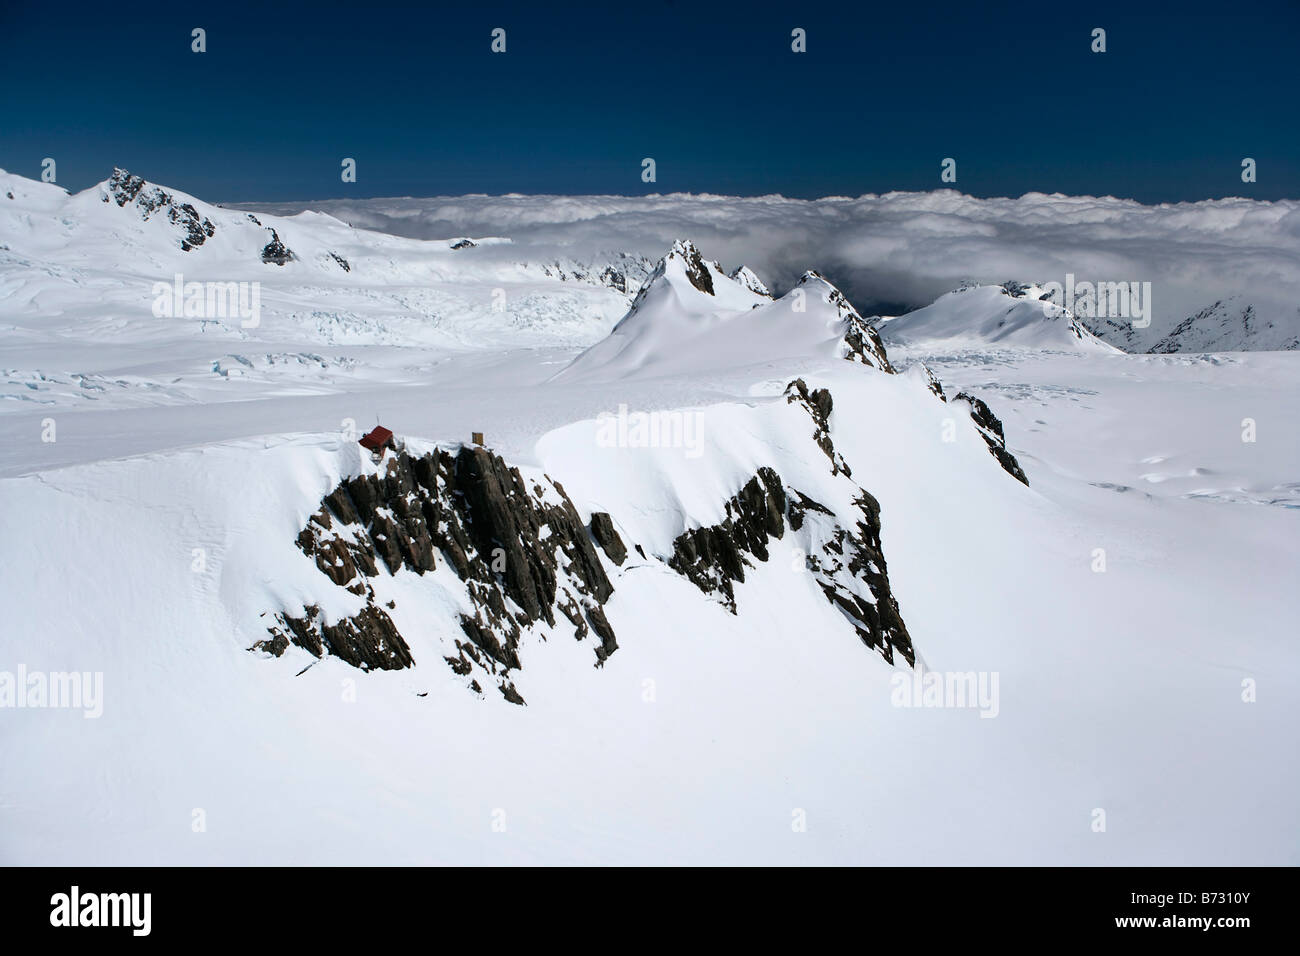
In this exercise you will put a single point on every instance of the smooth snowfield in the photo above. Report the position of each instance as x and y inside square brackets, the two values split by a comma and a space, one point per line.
[1119, 690]
[706, 737]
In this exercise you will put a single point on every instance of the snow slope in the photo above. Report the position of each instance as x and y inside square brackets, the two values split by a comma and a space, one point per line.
[690, 315]
[155, 538]
[340, 286]
[1013, 315]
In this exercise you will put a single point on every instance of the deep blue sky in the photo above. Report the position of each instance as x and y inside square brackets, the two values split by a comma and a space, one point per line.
[712, 92]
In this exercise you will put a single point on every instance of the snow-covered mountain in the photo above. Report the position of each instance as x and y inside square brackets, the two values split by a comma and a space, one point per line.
[690, 311]
[906, 249]
[1012, 314]
[642, 556]
[1227, 325]
[321, 281]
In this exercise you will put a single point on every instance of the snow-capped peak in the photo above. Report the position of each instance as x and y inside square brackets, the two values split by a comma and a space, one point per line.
[685, 259]
[746, 277]
[691, 313]
[859, 340]
[1016, 314]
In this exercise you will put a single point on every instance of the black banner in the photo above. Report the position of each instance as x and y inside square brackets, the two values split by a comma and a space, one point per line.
[267, 905]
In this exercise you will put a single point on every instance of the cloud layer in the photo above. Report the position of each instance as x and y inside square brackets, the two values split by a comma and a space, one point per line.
[898, 250]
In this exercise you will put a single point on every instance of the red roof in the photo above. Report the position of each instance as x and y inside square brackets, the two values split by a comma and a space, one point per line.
[377, 439]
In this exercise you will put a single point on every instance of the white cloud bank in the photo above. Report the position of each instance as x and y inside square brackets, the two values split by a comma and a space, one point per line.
[902, 249]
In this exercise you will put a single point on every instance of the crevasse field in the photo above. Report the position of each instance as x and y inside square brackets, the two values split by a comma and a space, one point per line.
[1133, 606]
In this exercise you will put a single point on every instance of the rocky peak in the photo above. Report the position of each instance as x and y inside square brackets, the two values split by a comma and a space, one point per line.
[861, 342]
[746, 277]
[697, 270]
[843, 555]
[125, 189]
[520, 551]
[277, 253]
[990, 428]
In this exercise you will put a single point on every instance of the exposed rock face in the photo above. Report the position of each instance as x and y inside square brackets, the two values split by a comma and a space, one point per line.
[276, 252]
[935, 386]
[521, 552]
[464, 244]
[746, 277]
[990, 427]
[625, 274]
[696, 268]
[602, 529]
[367, 640]
[862, 342]
[712, 558]
[342, 263]
[819, 404]
[847, 563]
[991, 430]
[124, 189]
[1227, 325]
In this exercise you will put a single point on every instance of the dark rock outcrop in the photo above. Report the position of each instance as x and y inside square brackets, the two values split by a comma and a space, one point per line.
[933, 383]
[818, 403]
[124, 189]
[520, 551]
[276, 252]
[746, 277]
[989, 425]
[713, 557]
[696, 268]
[615, 279]
[367, 640]
[862, 343]
[847, 563]
[602, 529]
[990, 428]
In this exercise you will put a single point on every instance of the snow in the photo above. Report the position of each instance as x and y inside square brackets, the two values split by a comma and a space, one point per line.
[989, 315]
[673, 327]
[702, 738]
[909, 248]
